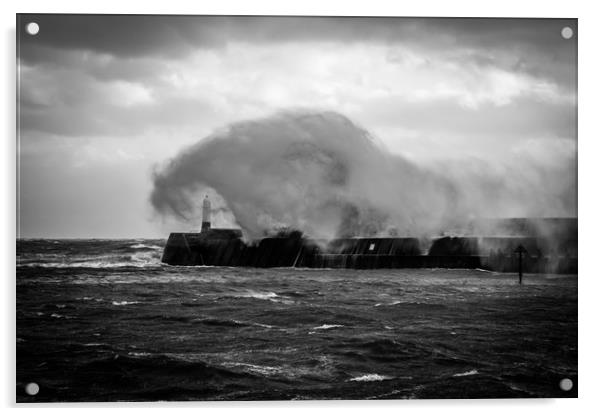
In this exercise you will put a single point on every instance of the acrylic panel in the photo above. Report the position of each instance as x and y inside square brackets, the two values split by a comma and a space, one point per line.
[222, 208]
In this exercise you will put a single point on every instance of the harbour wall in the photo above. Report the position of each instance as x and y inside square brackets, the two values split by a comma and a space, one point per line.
[226, 248]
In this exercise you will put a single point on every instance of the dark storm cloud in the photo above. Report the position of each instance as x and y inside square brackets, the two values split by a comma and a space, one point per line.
[74, 59]
[172, 36]
[102, 67]
[142, 34]
[119, 35]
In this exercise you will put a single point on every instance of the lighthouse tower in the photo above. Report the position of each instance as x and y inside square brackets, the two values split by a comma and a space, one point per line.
[206, 225]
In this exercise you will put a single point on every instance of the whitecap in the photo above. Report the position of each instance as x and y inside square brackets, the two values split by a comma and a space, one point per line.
[150, 247]
[467, 373]
[256, 295]
[262, 325]
[328, 326]
[123, 303]
[397, 302]
[138, 259]
[139, 354]
[370, 377]
[254, 368]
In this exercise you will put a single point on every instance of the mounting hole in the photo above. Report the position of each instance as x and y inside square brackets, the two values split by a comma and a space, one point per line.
[32, 389]
[566, 384]
[32, 28]
[566, 32]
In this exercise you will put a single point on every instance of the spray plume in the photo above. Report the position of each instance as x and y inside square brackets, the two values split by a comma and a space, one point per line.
[320, 173]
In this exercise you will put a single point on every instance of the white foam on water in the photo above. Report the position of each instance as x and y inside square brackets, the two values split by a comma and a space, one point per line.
[139, 354]
[146, 246]
[467, 373]
[328, 326]
[254, 368]
[124, 302]
[141, 263]
[397, 302]
[262, 325]
[150, 257]
[255, 294]
[370, 377]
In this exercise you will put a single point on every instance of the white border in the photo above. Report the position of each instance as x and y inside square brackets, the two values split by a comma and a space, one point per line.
[590, 209]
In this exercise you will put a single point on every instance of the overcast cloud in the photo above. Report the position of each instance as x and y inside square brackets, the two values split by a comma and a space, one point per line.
[105, 99]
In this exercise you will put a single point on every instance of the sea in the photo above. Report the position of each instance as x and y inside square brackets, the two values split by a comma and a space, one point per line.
[105, 320]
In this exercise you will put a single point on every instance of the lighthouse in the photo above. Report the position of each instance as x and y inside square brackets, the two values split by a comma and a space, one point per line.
[206, 224]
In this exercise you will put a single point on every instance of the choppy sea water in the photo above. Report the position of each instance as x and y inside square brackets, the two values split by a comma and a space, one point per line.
[104, 320]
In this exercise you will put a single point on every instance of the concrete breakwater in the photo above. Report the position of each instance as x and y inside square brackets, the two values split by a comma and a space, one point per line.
[219, 247]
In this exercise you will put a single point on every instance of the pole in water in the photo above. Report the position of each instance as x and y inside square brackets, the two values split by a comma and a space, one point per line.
[520, 250]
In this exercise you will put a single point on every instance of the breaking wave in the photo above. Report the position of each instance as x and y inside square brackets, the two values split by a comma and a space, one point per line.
[124, 303]
[328, 326]
[91, 254]
[370, 377]
[466, 373]
[320, 173]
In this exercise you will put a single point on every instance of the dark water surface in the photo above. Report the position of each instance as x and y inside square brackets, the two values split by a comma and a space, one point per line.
[104, 320]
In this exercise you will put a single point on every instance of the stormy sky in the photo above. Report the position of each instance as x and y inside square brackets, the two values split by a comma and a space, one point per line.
[106, 100]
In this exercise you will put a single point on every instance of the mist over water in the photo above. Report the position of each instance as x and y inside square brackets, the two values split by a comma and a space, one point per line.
[320, 173]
